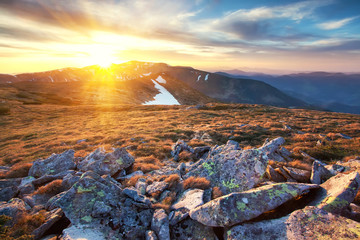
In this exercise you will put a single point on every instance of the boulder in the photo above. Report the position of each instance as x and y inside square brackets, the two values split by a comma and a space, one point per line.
[178, 147]
[132, 193]
[51, 177]
[274, 175]
[9, 188]
[160, 224]
[235, 170]
[190, 229]
[106, 163]
[307, 223]
[337, 192]
[13, 208]
[50, 220]
[178, 215]
[82, 232]
[319, 173]
[243, 206]
[54, 164]
[298, 174]
[189, 199]
[156, 188]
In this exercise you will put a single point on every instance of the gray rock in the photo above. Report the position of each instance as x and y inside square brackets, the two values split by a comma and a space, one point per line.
[106, 163]
[307, 223]
[178, 147]
[141, 186]
[337, 192]
[100, 209]
[54, 164]
[190, 229]
[83, 232]
[136, 173]
[298, 174]
[274, 175]
[344, 136]
[319, 173]
[52, 202]
[13, 208]
[182, 168]
[160, 224]
[263, 230]
[9, 188]
[156, 188]
[150, 235]
[50, 220]
[243, 206]
[189, 199]
[69, 180]
[132, 193]
[26, 180]
[48, 178]
[177, 216]
[285, 174]
[235, 170]
[201, 151]
[26, 189]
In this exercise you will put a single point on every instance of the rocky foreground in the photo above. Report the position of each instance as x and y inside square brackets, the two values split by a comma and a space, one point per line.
[228, 193]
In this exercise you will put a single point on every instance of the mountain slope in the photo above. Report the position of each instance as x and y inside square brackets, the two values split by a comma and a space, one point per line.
[136, 83]
[334, 91]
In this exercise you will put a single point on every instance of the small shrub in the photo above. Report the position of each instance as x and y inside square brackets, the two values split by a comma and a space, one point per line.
[196, 182]
[172, 180]
[17, 171]
[216, 192]
[161, 205]
[132, 181]
[145, 167]
[27, 224]
[53, 187]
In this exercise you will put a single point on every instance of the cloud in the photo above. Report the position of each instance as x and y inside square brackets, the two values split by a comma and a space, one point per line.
[335, 24]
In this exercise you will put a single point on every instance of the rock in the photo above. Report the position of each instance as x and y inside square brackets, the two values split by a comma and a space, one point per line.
[160, 224]
[190, 229]
[351, 165]
[133, 174]
[48, 178]
[337, 192]
[182, 168]
[263, 230]
[106, 163]
[344, 136]
[178, 147]
[53, 217]
[235, 170]
[26, 180]
[336, 168]
[141, 186]
[132, 193]
[54, 164]
[274, 175]
[13, 208]
[307, 223]
[52, 203]
[298, 174]
[150, 235]
[98, 202]
[319, 173]
[243, 206]
[9, 188]
[156, 188]
[26, 189]
[69, 180]
[189, 199]
[82, 232]
[201, 151]
[178, 215]
[314, 223]
[206, 138]
[285, 174]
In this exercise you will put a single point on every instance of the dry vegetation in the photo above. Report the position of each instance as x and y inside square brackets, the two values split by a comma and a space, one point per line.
[30, 132]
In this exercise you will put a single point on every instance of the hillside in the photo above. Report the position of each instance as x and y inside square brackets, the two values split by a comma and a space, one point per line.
[136, 82]
[333, 91]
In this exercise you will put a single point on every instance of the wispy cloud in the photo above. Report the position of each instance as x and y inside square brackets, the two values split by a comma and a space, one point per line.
[335, 24]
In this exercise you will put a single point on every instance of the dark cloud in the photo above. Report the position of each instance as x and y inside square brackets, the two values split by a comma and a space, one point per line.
[350, 45]
[28, 35]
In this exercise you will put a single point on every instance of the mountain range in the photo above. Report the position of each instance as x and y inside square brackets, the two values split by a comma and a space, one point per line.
[337, 92]
[158, 83]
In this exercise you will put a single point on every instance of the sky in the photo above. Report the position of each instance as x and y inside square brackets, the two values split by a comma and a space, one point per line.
[271, 36]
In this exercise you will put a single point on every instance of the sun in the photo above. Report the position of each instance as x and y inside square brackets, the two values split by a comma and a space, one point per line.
[101, 55]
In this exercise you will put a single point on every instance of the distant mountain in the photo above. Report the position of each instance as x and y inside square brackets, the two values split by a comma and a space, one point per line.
[334, 91]
[146, 83]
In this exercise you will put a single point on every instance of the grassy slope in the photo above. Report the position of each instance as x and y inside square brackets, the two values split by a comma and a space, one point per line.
[33, 131]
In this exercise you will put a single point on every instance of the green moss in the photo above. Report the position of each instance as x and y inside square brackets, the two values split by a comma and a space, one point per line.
[80, 189]
[209, 166]
[230, 184]
[331, 203]
[120, 161]
[101, 193]
[241, 206]
[86, 219]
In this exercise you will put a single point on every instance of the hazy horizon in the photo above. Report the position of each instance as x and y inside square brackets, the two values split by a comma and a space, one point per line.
[212, 35]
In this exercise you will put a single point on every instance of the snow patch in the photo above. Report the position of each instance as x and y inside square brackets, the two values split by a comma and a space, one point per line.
[163, 98]
[52, 80]
[147, 74]
[160, 79]
[207, 77]
[198, 78]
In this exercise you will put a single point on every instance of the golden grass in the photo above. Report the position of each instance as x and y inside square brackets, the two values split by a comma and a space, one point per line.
[53, 188]
[196, 182]
[30, 132]
[216, 192]
[17, 171]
